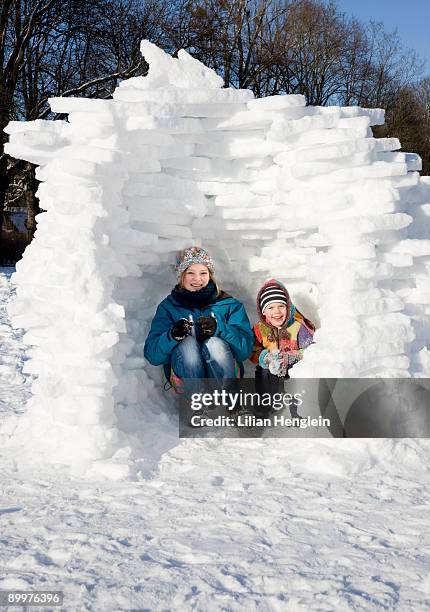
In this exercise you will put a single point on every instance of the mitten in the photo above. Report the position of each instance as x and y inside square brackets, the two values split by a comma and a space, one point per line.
[261, 359]
[207, 326]
[292, 357]
[181, 329]
[275, 362]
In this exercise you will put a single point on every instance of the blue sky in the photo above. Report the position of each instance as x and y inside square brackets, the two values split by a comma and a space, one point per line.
[412, 20]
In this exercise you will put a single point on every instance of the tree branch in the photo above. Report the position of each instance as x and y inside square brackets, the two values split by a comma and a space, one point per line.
[80, 88]
[16, 57]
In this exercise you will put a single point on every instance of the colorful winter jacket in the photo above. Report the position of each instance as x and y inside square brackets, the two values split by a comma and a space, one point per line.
[233, 326]
[292, 338]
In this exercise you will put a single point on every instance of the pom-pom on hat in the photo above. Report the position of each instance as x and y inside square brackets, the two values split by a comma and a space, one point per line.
[193, 255]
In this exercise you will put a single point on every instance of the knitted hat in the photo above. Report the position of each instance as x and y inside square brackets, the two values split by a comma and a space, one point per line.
[280, 294]
[193, 255]
[273, 291]
[270, 295]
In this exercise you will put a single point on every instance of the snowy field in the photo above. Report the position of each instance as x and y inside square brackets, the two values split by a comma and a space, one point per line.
[220, 525]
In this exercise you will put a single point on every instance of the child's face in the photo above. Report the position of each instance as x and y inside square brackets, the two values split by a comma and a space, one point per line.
[276, 314]
[195, 277]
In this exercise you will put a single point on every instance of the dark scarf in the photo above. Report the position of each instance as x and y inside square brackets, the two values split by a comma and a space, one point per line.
[196, 299]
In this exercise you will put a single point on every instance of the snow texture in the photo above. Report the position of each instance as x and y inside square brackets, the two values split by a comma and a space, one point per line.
[270, 187]
[259, 525]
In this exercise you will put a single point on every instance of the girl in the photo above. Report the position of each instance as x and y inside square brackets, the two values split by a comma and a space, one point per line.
[280, 336]
[198, 331]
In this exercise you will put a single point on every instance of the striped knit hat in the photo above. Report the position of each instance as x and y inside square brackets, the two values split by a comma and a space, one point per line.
[270, 295]
[275, 291]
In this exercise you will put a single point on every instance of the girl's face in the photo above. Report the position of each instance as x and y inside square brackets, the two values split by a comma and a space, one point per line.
[275, 314]
[195, 277]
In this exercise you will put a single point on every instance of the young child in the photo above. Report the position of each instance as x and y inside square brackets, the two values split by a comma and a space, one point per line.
[198, 331]
[280, 336]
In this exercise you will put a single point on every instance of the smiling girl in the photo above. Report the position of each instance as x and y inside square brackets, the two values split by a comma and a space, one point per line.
[281, 334]
[198, 331]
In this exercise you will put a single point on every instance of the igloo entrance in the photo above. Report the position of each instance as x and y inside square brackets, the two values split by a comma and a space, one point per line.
[270, 187]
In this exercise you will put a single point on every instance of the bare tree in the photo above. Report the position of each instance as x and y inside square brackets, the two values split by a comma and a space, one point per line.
[63, 48]
[408, 118]
[387, 67]
[75, 47]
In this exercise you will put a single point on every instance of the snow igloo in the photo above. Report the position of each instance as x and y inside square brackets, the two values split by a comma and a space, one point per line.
[271, 187]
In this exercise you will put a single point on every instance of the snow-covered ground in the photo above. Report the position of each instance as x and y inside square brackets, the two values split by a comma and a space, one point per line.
[220, 524]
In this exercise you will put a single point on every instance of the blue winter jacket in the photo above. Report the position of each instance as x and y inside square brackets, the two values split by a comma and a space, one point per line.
[233, 326]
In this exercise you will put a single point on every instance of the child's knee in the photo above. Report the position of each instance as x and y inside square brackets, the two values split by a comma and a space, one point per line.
[215, 348]
[188, 350]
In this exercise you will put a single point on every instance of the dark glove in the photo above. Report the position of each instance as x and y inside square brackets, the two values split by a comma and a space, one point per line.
[207, 326]
[181, 329]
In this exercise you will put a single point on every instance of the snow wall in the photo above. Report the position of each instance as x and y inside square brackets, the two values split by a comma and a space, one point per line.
[271, 187]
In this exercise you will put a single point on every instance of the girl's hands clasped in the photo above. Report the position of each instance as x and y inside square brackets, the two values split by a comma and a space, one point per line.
[206, 326]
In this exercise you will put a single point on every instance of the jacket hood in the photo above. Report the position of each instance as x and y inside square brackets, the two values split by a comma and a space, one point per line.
[281, 287]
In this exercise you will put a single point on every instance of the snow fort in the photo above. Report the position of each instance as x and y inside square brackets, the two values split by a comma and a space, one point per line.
[271, 187]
